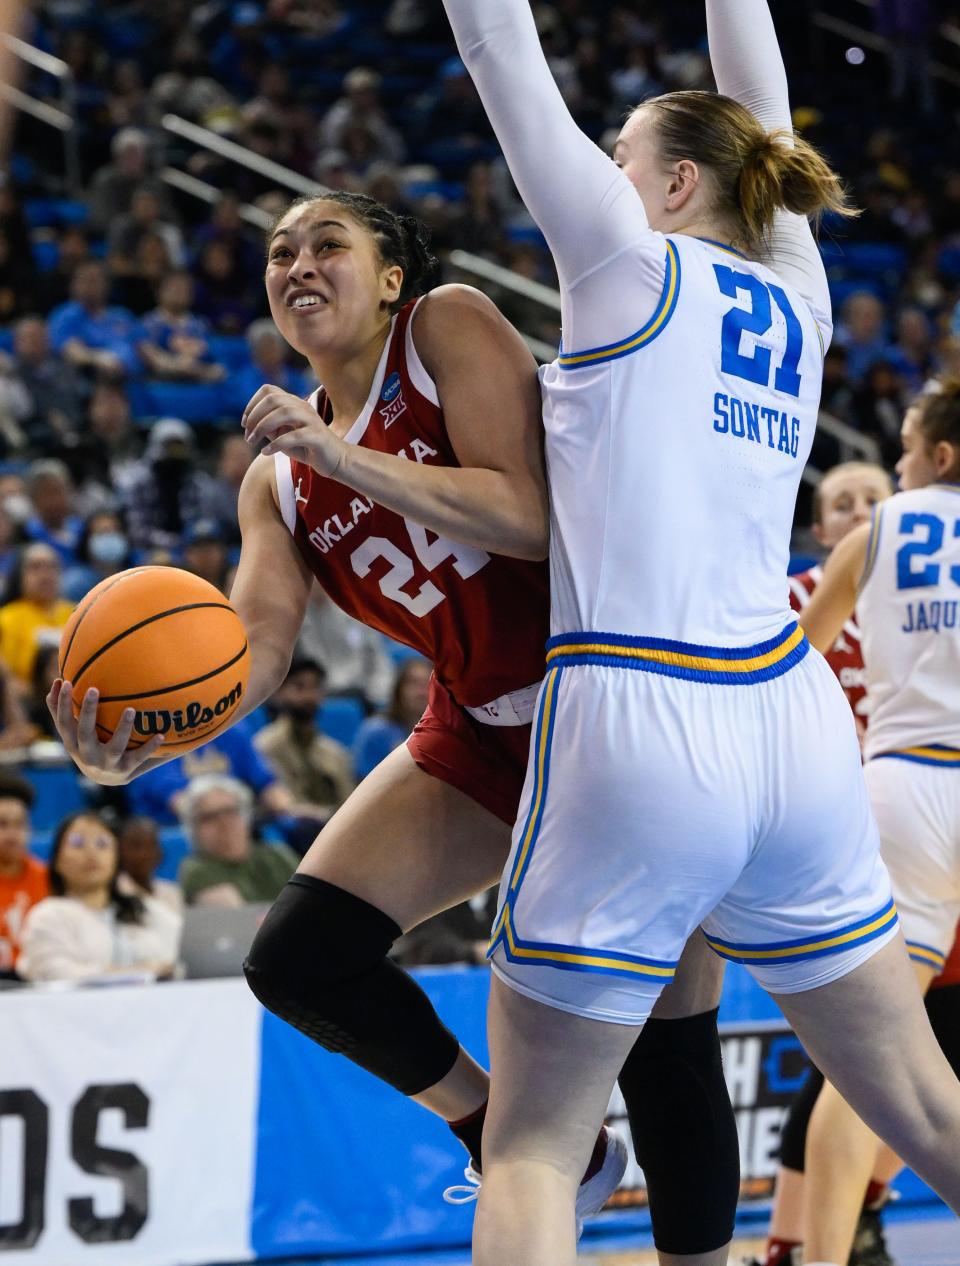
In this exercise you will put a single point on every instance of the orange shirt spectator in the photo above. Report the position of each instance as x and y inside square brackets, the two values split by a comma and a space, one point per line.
[23, 879]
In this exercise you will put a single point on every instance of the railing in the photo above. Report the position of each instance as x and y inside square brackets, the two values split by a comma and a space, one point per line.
[62, 119]
[870, 39]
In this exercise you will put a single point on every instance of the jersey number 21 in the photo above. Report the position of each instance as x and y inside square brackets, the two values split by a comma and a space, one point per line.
[756, 318]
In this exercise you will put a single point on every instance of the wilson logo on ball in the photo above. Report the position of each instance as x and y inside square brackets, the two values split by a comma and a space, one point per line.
[159, 721]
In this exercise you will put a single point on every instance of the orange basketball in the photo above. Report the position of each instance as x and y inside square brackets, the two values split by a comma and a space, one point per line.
[164, 642]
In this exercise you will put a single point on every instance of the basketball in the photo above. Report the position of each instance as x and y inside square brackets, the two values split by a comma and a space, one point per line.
[164, 642]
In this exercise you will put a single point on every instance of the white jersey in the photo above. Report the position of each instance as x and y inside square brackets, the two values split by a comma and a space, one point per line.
[682, 408]
[910, 623]
[675, 453]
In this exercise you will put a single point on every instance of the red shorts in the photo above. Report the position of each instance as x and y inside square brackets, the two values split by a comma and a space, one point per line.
[951, 970]
[488, 763]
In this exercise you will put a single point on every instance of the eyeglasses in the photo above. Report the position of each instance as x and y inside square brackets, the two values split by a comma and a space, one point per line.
[211, 815]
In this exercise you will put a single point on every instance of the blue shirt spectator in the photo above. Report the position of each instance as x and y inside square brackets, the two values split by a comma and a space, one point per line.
[862, 334]
[90, 334]
[376, 739]
[154, 795]
[380, 734]
[176, 342]
[53, 521]
[268, 354]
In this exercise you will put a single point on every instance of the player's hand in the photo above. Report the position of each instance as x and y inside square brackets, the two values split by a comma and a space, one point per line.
[112, 764]
[292, 426]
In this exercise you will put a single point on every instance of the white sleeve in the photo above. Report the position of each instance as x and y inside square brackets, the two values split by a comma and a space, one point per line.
[586, 208]
[748, 66]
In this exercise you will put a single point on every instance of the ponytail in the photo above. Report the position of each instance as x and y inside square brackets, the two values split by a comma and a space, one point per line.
[757, 173]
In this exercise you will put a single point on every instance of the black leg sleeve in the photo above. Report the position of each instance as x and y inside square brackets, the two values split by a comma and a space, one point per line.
[793, 1137]
[684, 1132]
[319, 961]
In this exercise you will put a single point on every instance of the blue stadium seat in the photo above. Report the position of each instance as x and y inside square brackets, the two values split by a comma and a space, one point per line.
[340, 718]
[230, 350]
[54, 212]
[41, 842]
[175, 846]
[257, 719]
[59, 792]
[193, 402]
[875, 259]
[948, 261]
[46, 252]
[6, 341]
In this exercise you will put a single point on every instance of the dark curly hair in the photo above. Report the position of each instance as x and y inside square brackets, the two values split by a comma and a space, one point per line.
[401, 239]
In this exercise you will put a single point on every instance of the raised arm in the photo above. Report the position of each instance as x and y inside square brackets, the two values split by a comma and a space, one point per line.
[587, 210]
[748, 66]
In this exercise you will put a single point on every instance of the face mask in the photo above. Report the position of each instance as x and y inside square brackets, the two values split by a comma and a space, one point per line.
[18, 506]
[108, 547]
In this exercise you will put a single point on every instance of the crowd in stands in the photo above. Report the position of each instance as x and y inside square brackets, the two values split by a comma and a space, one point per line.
[133, 330]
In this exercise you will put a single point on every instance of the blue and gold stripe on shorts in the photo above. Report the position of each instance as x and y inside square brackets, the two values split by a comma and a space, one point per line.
[927, 955]
[575, 957]
[545, 953]
[646, 334]
[930, 754]
[819, 946]
[739, 666]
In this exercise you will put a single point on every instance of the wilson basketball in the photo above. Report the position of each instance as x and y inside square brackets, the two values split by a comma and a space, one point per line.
[164, 642]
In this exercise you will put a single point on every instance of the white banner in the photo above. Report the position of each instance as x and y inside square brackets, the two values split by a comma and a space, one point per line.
[128, 1124]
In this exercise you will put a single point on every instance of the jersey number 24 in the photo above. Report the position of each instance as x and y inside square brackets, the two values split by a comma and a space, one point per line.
[756, 318]
[910, 577]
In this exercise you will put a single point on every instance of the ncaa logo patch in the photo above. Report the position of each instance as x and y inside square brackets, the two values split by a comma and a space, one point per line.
[394, 403]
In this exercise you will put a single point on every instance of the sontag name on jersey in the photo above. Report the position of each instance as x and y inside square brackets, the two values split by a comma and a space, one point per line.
[745, 420]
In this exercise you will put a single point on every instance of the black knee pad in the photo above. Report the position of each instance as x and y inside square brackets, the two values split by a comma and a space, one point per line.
[943, 1008]
[684, 1132]
[319, 961]
[793, 1136]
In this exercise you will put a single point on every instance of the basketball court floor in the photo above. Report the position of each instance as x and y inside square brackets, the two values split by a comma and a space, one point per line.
[915, 1238]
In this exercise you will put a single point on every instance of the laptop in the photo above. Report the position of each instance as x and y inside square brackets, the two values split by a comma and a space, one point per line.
[215, 940]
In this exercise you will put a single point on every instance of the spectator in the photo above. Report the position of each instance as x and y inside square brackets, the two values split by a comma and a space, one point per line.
[46, 668]
[270, 358]
[23, 879]
[14, 409]
[57, 392]
[112, 455]
[879, 404]
[169, 492]
[73, 249]
[139, 288]
[33, 611]
[88, 333]
[354, 655]
[361, 102]
[232, 464]
[158, 793]
[227, 227]
[127, 102]
[205, 554]
[103, 551]
[53, 521]
[16, 728]
[380, 734]
[176, 343]
[316, 770]
[88, 928]
[224, 294]
[141, 855]
[479, 226]
[17, 282]
[128, 231]
[229, 868]
[913, 355]
[10, 540]
[861, 333]
[113, 186]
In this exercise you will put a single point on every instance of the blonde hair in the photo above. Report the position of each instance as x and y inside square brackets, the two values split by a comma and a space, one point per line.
[756, 172]
[847, 468]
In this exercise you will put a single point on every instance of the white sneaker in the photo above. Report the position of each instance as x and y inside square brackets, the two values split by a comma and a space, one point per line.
[592, 1195]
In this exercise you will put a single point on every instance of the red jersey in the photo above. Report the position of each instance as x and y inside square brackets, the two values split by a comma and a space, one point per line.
[481, 619]
[845, 657]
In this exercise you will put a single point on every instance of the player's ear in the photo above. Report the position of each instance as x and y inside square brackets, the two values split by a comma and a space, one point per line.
[391, 283]
[946, 459]
[683, 183]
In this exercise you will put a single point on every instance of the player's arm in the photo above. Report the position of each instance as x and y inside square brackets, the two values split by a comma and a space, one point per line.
[585, 206]
[270, 596]
[835, 596]
[487, 386]
[748, 67]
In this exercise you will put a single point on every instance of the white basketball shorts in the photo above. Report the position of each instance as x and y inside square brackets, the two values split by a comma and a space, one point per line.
[671, 786]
